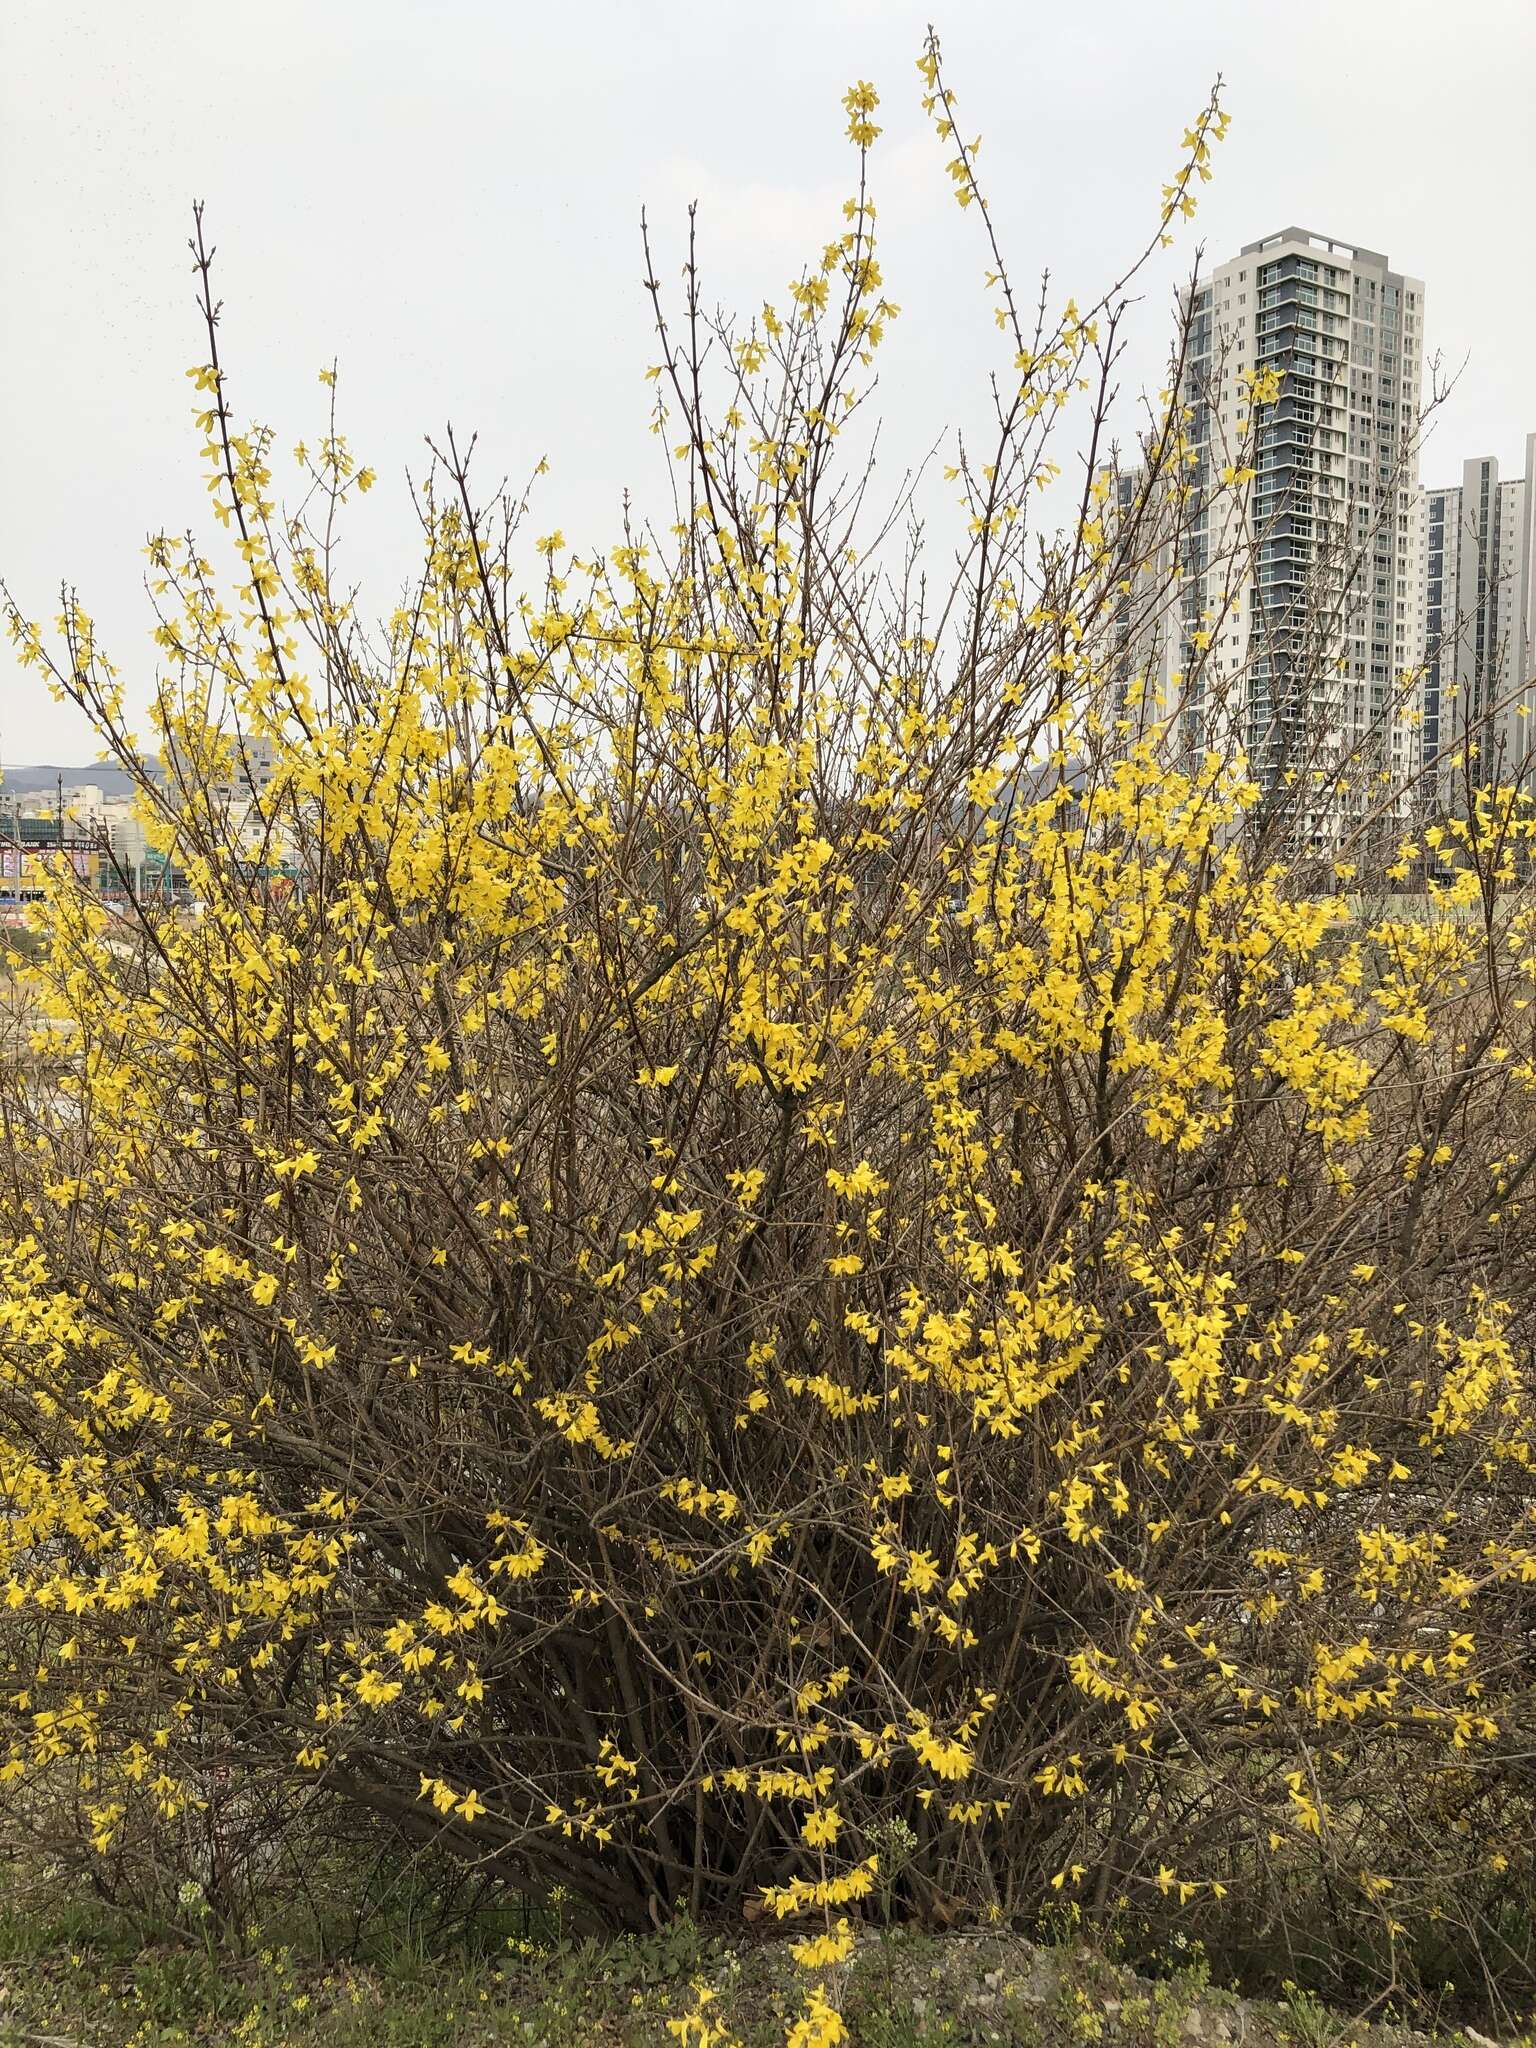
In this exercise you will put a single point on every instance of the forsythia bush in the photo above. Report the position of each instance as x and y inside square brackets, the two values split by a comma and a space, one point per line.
[793, 1272]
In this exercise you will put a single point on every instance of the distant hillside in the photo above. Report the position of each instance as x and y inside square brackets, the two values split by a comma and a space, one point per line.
[19, 778]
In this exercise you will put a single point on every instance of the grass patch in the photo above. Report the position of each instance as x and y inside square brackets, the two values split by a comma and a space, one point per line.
[78, 1978]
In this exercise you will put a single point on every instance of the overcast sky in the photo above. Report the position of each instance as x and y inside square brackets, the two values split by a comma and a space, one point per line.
[445, 195]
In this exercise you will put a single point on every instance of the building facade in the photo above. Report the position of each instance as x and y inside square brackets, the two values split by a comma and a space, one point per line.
[1480, 629]
[1298, 633]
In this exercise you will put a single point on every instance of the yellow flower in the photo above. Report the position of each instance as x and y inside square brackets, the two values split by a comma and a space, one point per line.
[820, 1827]
[821, 1951]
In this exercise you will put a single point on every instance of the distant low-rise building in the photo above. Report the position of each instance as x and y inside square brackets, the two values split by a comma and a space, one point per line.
[27, 846]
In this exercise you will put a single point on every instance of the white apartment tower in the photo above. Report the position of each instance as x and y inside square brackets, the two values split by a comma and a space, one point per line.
[1300, 629]
[1480, 630]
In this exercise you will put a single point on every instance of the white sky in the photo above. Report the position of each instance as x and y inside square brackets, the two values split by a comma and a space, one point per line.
[445, 194]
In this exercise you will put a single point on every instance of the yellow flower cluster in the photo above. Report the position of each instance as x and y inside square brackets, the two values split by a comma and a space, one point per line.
[713, 1217]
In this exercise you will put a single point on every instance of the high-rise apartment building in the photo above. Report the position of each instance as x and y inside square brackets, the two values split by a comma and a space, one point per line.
[1480, 629]
[1299, 629]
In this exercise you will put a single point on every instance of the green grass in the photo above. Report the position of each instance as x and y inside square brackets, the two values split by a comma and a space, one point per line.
[80, 1978]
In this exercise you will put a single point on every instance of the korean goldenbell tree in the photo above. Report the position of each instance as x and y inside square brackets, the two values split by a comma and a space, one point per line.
[749, 1244]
